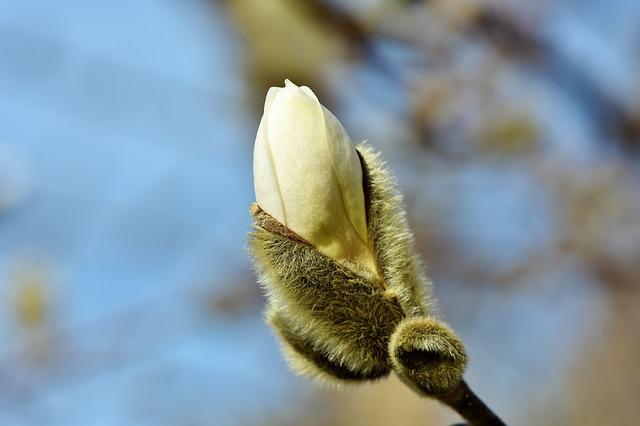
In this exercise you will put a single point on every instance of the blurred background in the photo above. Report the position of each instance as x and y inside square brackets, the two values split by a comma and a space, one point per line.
[126, 138]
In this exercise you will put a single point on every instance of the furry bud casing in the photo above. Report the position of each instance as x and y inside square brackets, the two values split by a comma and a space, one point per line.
[340, 324]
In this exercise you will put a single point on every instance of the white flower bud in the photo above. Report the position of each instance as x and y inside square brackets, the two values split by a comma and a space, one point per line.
[307, 175]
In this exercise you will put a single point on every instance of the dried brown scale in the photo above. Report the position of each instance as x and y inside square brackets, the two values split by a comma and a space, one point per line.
[265, 221]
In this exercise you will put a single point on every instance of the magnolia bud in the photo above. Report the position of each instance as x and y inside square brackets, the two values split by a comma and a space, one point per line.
[307, 175]
[314, 238]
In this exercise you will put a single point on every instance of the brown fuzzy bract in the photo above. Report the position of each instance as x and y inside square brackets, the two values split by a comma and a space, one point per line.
[427, 355]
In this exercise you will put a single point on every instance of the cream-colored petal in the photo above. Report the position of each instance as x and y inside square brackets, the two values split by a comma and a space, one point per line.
[317, 173]
[348, 172]
[271, 95]
[265, 179]
[346, 166]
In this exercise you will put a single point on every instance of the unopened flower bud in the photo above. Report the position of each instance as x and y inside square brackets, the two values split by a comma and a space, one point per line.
[314, 238]
[307, 175]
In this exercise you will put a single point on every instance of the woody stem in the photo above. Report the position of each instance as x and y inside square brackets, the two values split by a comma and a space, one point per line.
[466, 403]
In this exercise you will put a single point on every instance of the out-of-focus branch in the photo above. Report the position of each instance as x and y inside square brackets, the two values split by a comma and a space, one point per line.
[517, 41]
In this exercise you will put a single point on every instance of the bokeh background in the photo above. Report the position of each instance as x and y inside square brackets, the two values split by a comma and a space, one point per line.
[126, 137]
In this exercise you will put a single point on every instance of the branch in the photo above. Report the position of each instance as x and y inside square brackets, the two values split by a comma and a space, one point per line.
[468, 405]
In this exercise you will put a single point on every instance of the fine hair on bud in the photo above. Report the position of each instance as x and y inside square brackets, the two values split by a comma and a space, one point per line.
[427, 355]
[340, 323]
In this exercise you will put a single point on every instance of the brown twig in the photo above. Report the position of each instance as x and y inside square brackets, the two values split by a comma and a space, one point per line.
[468, 405]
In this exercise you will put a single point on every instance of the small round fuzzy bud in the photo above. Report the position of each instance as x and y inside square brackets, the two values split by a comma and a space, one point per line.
[427, 355]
